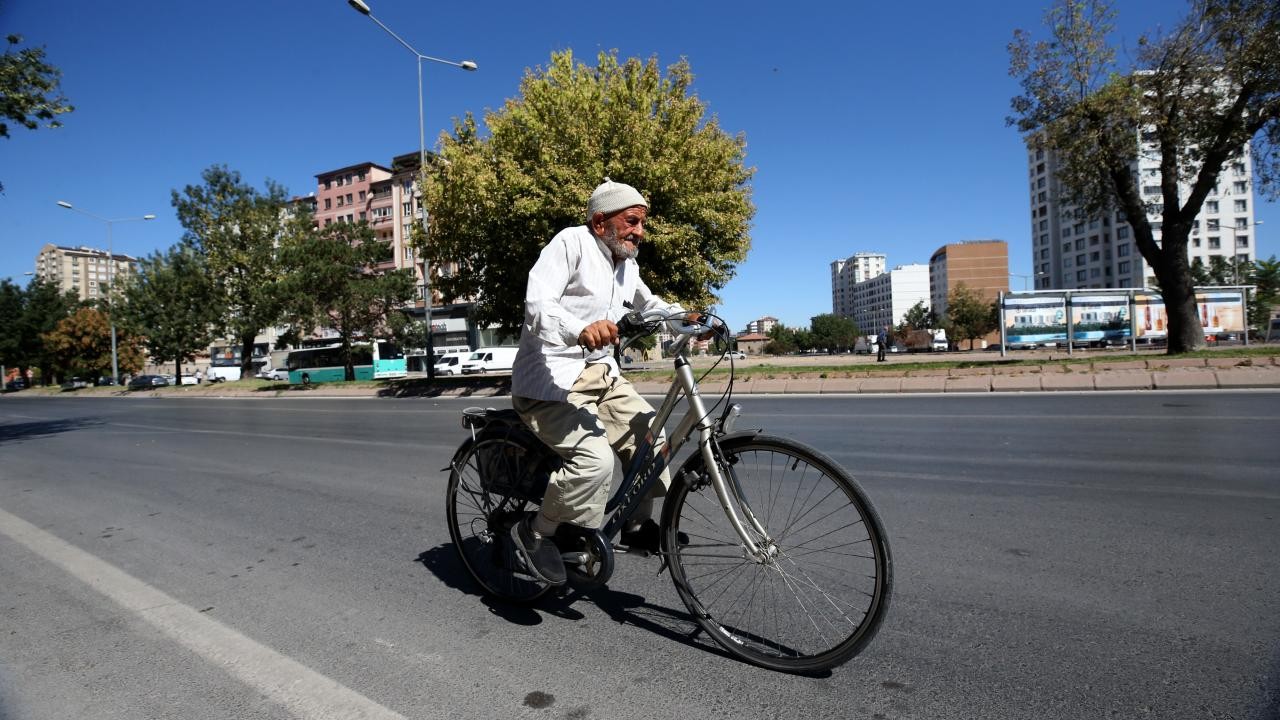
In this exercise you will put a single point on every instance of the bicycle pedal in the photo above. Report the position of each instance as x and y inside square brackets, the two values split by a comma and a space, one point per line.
[574, 558]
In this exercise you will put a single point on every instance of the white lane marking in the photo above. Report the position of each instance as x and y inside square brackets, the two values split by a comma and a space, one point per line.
[302, 691]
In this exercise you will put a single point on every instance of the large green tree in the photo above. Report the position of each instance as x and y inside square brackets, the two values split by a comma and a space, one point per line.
[237, 228]
[1265, 277]
[495, 199]
[28, 315]
[919, 317]
[834, 333]
[30, 92]
[332, 280]
[1194, 99]
[173, 304]
[969, 315]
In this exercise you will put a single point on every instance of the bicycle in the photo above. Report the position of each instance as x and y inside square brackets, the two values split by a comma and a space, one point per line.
[785, 563]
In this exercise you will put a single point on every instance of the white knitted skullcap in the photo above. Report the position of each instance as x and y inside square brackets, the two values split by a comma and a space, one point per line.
[612, 196]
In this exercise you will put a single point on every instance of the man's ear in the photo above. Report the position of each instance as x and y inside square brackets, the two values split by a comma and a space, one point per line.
[597, 223]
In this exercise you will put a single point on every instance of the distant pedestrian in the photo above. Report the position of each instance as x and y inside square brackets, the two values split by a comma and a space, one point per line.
[882, 340]
[199, 376]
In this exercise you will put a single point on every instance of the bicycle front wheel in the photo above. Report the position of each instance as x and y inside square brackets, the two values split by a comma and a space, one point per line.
[819, 590]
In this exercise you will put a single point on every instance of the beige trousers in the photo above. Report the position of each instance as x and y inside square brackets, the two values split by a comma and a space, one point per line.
[602, 416]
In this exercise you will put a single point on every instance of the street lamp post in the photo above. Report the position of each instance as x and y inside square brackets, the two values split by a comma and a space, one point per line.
[363, 8]
[1235, 259]
[111, 276]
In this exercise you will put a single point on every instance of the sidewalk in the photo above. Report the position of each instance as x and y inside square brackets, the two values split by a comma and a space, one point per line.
[1151, 373]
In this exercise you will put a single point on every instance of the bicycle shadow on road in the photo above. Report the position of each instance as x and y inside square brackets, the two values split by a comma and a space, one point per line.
[621, 607]
[19, 432]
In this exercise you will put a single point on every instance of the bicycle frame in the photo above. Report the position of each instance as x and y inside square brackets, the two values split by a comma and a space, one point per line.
[646, 466]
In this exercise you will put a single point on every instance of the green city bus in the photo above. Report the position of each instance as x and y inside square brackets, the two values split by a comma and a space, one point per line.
[380, 360]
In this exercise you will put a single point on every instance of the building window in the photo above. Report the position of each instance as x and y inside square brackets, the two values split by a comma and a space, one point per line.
[1080, 259]
[1123, 267]
[1044, 224]
[1195, 242]
[1214, 243]
[362, 215]
[1040, 184]
[1080, 244]
[1079, 229]
[1095, 272]
[1241, 205]
[1093, 240]
[1122, 232]
[1066, 232]
[328, 203]
[1082, 275]
[1211, 207]
[1095, 256]
[362, 196]
[1240, 188]
[1041, 197]
[350, 201]
[1242, 241]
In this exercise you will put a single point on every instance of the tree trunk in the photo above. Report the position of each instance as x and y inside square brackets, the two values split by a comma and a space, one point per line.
[1185, 331]
[246, 356]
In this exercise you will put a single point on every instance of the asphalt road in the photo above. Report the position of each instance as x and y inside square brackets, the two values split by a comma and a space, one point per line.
[1057, 556]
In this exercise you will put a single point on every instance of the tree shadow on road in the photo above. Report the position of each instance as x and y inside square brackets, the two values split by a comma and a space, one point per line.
[19, 432]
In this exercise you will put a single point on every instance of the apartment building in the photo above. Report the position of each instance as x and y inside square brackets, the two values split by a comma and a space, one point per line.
[982, 265]
[886, 298]
[342, 195]
[847, 273]
[87, 272]
[1070, 250]
[762, 326]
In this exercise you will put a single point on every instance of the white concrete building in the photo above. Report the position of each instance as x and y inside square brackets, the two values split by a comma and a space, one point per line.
[1069, 251]
[849, 272]
[886, 298]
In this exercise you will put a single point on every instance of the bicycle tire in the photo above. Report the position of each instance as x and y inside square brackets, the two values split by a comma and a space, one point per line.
[480, 519]
[821, 595]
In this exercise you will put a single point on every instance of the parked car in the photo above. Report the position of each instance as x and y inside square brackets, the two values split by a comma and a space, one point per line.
[16, 384]
[449, 365]
[145, 382]
[276, 374]
[104, 381]
[189, 380]
[75, 383]
[736, 355]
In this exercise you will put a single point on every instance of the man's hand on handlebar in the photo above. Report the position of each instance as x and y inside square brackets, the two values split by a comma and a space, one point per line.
[598, 334]
[696, 317]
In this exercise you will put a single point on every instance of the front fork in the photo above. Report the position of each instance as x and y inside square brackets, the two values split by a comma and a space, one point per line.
[756, 543]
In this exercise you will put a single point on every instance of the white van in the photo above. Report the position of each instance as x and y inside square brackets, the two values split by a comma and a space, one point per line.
[494, 359]
[449, 365]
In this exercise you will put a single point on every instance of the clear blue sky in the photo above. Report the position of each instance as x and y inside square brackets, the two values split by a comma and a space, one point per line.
[873, 127]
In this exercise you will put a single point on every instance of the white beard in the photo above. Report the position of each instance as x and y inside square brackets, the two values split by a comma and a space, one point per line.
[618, 247]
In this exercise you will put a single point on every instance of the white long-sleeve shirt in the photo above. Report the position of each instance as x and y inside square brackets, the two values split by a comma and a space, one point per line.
[574, 283]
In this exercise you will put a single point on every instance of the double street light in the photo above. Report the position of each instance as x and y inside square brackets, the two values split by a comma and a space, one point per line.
[111, 276]
[363, 8]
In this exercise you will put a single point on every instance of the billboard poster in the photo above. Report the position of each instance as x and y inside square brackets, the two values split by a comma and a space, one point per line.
[1099, 318]
[1221, 312]
[1033, 320]
[1153, 322]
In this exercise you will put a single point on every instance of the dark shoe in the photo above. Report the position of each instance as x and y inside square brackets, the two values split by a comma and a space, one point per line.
[648, 537]
[540, 554]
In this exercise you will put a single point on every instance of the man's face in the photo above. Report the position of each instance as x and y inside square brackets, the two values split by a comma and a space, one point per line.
[622, 232]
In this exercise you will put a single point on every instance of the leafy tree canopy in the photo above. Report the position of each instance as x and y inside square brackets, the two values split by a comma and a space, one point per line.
[29, 89]
[833, 332]
[332, 280]
[1193, 100]
[496, 200]
[919, 317]
[80, 344]
[173, 304]
[237, 228]
[969, 315]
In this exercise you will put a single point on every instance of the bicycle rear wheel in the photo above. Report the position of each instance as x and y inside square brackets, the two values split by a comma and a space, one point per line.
[822, 590]
[480, 517]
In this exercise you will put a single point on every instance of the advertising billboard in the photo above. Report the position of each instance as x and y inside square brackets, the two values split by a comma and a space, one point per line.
[1221, 311]
[1034, 320]
[1100, 318]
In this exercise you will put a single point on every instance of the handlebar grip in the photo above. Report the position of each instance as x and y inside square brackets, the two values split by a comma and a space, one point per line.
[631, 324]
